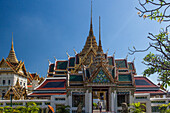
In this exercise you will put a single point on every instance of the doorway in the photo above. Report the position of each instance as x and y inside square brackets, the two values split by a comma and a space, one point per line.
[100, 98]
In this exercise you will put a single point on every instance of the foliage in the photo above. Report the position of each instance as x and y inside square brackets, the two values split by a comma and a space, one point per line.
[159, 11]
[30, 108]
[63, 109]
[157, 63]
[137, 108]
[22, 109]
[164, 108]
[1, 109]
[95, 104]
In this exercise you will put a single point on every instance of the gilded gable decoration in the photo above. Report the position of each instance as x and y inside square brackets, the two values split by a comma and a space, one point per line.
[101, 78]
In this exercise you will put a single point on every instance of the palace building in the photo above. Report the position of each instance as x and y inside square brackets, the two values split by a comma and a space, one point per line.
[90, 78]
[14, 78]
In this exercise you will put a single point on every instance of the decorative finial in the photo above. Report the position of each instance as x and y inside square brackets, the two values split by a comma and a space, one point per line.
[49, 62]
[114, 53]
[126, 56]
[68, 55]
[107, 51]
[55, 58]
[75, 51]
[133, 60]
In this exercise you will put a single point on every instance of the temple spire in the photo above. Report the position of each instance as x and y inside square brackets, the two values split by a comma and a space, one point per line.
[12, 57]
[100, 44]
[91, 24]
[12, 45]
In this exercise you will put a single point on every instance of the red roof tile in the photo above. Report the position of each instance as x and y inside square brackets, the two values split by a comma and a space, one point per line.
[46, 94]
[146, 80]
[53, 84]
[153, 92]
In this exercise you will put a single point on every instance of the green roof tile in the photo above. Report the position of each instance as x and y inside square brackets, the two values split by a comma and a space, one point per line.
[110, 60]
[125, 77]
[76, 78]
[51, 69]
[120, 63]
[62, 64]
[113, 73]
[87, 73]
[72, 62]
[130, 66]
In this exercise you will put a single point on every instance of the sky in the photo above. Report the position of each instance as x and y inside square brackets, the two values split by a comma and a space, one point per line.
[43, 29]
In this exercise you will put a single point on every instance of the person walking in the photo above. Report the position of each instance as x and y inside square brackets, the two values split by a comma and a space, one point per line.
[100, 107]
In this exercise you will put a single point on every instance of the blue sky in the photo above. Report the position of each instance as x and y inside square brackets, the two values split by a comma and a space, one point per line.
[43, 29]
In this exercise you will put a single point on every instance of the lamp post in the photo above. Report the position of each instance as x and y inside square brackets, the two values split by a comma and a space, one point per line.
[11, 92]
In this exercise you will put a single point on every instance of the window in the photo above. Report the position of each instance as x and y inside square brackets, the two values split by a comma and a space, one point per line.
[24, 84]
[20, 83]
[9, 82]
[122, 98]
[3, 82]
[60, 99]
[76, 99]
[3, 94]
[141, 97]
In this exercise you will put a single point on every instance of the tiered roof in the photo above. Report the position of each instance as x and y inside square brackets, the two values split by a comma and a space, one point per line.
[50, 86]
[92, 65]
[12, 65]
[144, 85]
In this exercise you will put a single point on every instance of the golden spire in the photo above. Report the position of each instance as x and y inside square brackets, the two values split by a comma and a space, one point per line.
[91, 25]
[100, 44]
[12, 45]
[12, 57]
[91, 40]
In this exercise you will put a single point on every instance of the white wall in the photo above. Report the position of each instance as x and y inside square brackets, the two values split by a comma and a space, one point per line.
[13, 79]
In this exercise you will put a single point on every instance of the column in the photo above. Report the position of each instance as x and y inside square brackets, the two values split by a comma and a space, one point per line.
[86, 101]
[70, 102]
[115, 101]
[112, 101]
[148, 104]
[131, 97]
[90, 102]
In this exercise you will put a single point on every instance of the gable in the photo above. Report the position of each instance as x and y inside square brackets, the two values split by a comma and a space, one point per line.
[101, 77]
[5, 66]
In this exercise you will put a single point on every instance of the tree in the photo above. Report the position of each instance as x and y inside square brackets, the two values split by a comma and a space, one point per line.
[63, 109]
[137, 108]
[157, 63]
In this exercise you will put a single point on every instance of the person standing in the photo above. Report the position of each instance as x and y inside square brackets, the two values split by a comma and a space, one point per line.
[100, 107]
